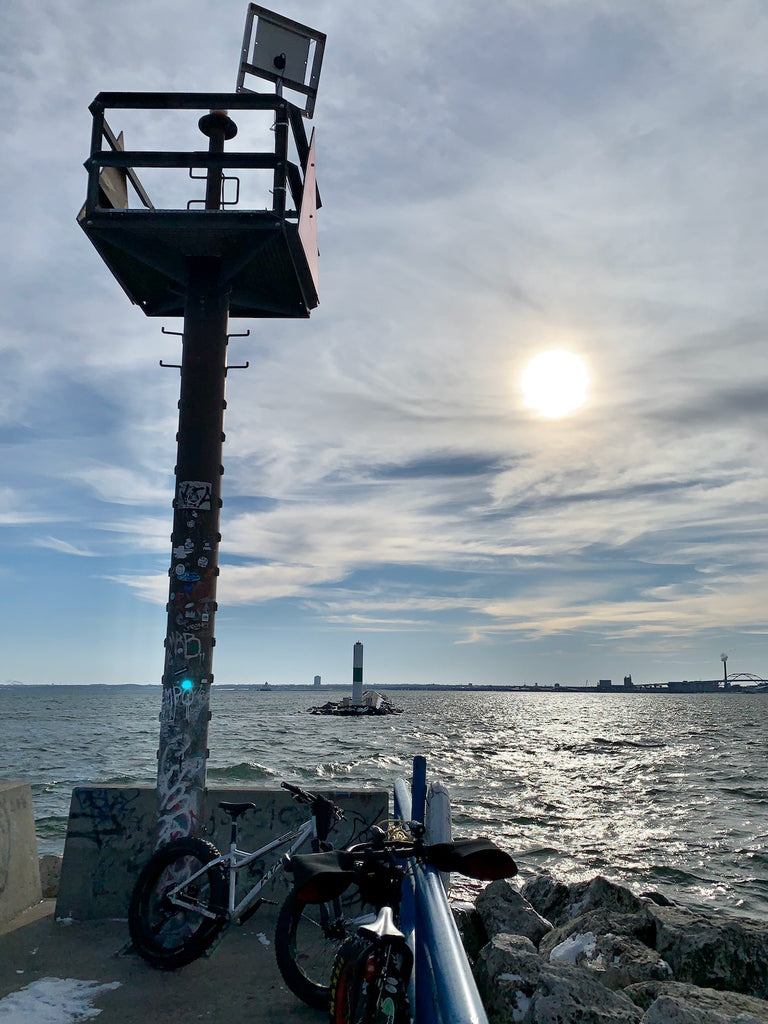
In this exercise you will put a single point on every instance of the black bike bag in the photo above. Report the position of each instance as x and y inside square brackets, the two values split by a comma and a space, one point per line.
[476, 858]
[318, 877]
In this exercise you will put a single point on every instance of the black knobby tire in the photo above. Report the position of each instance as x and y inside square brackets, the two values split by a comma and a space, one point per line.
[345, 1004]
[307, 938]
[367, 987]
[168, 936]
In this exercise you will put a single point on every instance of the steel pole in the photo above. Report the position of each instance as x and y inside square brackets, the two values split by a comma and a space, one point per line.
[189, 641]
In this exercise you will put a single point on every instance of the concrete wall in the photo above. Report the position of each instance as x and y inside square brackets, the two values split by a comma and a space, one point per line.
[19, 873]
[111, 834]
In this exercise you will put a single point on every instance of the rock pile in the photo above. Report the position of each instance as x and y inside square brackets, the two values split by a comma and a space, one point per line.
[331, 707]
[594, 953]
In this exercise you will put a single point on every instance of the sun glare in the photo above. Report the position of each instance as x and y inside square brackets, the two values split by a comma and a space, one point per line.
[555, 383]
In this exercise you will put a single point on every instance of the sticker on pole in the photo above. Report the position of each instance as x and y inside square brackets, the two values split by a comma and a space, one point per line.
[194, 494]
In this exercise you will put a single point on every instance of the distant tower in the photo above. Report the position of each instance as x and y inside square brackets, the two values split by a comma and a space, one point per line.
[317, 680]
[724, 659]
[357, 674]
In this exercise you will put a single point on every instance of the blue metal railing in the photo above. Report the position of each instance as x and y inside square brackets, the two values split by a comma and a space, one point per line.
[443, 989]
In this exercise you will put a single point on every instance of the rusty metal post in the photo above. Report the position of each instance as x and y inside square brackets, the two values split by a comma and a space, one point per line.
[189, 642]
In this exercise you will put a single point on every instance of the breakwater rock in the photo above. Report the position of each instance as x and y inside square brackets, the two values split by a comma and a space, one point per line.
[372, 705]
[594, 953]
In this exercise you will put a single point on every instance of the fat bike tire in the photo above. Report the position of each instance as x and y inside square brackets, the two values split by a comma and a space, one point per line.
[345, 1003]
[168, 936]
[363, 988]
[307, 938]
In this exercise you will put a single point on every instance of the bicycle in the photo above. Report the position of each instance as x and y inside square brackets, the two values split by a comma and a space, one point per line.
[186, 894]
[372, 966]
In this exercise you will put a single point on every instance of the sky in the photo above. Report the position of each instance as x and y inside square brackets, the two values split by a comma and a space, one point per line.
[497, 181]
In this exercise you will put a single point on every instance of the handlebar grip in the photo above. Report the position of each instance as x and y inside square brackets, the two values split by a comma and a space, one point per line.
[298, 793]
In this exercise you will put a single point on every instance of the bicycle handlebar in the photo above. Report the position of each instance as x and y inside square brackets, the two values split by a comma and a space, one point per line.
[304, 797]
[324, 875]
[298, 793]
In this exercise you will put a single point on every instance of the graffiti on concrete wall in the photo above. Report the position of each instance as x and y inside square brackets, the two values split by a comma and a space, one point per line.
[103, 814]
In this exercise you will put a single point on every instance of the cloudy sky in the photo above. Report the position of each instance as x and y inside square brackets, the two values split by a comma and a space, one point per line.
[498, 180]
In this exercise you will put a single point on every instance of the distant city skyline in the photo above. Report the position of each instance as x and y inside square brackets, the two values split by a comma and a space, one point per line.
[565, 176]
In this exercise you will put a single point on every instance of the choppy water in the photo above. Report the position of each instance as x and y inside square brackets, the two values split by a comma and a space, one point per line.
[655, 791]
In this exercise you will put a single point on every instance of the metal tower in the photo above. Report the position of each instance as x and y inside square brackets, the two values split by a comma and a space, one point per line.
[214, 259]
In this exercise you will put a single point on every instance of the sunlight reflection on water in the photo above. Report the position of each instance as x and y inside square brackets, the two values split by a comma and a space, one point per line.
[656, 791]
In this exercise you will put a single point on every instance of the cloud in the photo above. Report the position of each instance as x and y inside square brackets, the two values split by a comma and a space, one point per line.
[576, 174]
[63, 547]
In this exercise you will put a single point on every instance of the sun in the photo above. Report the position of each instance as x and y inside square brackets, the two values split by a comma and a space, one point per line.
[555, 383]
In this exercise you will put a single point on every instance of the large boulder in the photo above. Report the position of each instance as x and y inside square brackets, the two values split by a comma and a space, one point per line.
[50, 875]
[507, 973]
[548, 895]
[672, 1002]
[717, 953]
[604, 921]
[678, 966]
[616, 959]
[519, 987]
[560, 903]
[470, 927]
[503, 908]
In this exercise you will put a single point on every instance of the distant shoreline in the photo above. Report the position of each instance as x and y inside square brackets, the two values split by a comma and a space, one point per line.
[671, 688]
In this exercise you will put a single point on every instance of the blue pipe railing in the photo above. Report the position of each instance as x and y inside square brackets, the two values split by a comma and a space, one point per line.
[443, 989]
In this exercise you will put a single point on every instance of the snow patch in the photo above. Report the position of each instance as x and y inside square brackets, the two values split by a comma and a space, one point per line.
[53, 1001]
[571, 948]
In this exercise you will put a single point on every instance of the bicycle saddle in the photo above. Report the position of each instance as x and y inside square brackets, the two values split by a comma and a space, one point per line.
[236, 809]
[383, 927]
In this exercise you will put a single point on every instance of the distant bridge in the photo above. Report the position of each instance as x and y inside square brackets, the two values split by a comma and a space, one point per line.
[750, 676]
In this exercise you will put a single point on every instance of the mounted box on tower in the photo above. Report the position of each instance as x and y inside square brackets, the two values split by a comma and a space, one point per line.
[282, 51]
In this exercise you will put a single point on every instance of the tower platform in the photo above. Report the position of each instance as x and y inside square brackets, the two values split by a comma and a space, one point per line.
[266, 258]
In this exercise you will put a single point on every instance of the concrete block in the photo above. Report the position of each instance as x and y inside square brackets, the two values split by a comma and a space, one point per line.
[19, 872]
[111, 834]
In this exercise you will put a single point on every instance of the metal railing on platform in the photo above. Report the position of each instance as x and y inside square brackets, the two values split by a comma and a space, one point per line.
[443, 989]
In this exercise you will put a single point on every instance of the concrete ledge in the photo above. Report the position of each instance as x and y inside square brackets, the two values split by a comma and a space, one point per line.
[19, 872]
[111, 834]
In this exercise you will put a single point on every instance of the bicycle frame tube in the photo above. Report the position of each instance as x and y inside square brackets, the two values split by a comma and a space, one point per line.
[239, 859]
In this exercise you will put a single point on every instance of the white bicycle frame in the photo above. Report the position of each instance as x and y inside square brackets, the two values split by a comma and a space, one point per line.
[237, 860]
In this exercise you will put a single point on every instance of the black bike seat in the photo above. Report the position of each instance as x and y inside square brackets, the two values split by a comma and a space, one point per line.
[235, 809]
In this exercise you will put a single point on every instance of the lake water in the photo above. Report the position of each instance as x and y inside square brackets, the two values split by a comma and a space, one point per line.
[655, 791]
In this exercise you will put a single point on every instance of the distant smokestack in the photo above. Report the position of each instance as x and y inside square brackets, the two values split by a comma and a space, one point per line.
[357, 674]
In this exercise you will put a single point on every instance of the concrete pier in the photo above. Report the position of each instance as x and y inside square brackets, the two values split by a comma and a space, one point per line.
[19, 873]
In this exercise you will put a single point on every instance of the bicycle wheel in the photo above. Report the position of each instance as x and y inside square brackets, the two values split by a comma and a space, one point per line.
[369, 983]
[307, 938]
[345, 1003]
[166, 935]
